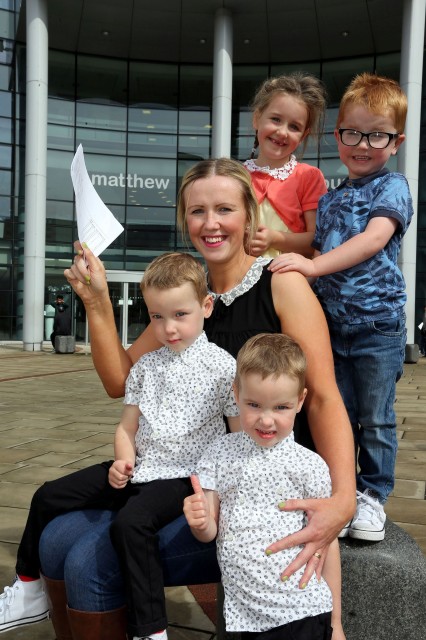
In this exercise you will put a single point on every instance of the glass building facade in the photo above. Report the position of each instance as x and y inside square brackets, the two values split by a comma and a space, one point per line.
[142, 124]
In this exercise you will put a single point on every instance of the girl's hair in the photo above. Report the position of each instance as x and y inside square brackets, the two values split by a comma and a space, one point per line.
[303, 86]
[172, 270]
[271, 355]
[379, 95]
[229, 169]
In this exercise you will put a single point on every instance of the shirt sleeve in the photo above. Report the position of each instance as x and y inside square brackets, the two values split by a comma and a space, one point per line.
[312, 188]
[318, 481]
[394, 201]
[206, 467]
[134, 384]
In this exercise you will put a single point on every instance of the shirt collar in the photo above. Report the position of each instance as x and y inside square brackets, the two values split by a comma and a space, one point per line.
[191, 353]
[360, 182]
[282, 445]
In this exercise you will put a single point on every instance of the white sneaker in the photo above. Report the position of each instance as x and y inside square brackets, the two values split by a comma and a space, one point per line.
[369, 520]
[161, 635]
[22, 603]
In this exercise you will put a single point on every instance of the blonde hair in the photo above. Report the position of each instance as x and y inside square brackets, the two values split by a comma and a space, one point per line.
[229, 169]
[271, 355]
[172, 270]
[306, 88]
[379, 95]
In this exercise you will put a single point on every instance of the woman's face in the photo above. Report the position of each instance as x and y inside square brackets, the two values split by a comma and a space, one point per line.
[216, 218]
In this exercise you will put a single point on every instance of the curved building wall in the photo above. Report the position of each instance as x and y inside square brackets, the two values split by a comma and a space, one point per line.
[141, 124]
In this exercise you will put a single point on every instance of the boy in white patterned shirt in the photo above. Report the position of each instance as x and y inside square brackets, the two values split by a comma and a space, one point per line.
[246, 476]
[175, 400]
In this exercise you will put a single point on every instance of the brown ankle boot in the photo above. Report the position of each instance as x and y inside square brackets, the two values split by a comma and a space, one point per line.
[57, 599]
[98, 625]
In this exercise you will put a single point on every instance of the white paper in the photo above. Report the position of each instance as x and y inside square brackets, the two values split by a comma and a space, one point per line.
[420, 325]
[96, 225]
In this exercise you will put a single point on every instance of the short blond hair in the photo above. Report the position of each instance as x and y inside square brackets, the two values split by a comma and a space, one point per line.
[379, 95]
[172, 270]
[272, 355]
[228, 168]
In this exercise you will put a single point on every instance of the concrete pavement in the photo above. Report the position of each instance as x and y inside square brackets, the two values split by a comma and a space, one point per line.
[55, 417]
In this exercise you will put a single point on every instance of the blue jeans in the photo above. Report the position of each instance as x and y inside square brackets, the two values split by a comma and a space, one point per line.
[368, 361]
[76, 547]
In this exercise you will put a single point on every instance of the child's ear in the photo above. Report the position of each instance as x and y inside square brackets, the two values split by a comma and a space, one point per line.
[255, 120]
[236, 392]
[302, 397]
[398, 143]
[207, 306]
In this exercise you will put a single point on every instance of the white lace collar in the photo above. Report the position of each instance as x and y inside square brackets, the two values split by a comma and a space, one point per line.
[250, 279]
[282, 173]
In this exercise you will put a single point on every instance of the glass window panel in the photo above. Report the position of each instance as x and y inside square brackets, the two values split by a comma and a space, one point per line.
[61, 111]
[330, 119]
[328, 147]
[60, 137]
[102, 141]
[57, 210]
[152, 144]
[97, 116]
[5, 156]
[148, 118]
[150, 238]
[245, 82]
[5, 271]
[196, 86]
[59, 233]
[337, 74]
[109, 177]
[153, 84]
[5, 182]
[61, 74]
[139, 259]
[196, 147]
[102, 80]
[58, 181]
[7, 24]
[151, 182]
[195, 121]
[6, 209]
[334, 172]
[241, 147]
[6, 104]
[160, 216]
[6, 130]
[5, 77]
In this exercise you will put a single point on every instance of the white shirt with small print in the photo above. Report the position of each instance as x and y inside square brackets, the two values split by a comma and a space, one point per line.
[250, 481]
[183, 397]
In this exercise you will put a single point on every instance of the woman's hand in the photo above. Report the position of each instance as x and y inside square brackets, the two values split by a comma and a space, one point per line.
[326, 518]
[87, 275]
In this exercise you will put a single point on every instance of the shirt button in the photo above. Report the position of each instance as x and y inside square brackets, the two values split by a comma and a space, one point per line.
[345, 195]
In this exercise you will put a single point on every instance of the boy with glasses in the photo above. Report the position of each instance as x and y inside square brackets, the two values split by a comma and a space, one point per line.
[359, 229]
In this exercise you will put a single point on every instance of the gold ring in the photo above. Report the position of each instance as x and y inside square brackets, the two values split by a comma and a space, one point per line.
[317, 555]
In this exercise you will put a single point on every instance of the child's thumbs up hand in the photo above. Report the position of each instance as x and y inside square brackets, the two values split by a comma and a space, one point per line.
[196, 507]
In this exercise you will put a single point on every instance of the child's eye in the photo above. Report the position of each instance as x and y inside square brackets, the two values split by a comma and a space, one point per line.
[281, 407]
[294, 127]
[253, 405]
[155, 316]
[179, 314]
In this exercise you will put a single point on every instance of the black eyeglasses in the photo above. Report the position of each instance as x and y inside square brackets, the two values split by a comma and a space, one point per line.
[376, 139]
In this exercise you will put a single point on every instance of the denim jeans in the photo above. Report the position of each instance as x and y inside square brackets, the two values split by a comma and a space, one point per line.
[368, 361]
[76, 547]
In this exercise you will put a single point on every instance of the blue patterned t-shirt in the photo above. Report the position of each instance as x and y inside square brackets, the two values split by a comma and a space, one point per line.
[373, 289]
